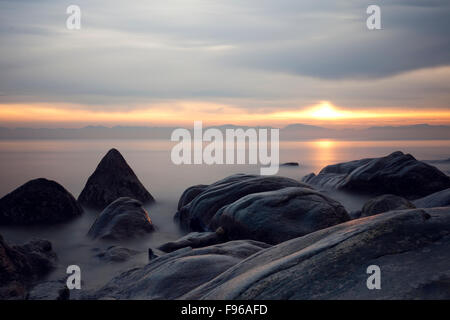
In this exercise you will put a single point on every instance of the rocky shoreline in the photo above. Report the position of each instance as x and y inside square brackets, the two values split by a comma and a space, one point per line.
[248, 236]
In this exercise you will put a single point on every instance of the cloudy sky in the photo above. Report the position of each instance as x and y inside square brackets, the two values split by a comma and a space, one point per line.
[230, 61]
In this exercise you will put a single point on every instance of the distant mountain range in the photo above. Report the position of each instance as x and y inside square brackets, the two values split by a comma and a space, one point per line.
[291, 132]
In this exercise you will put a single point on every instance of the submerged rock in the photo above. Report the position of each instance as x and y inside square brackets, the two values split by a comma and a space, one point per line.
[195, 240]
[113, 178]
[174, 274]
[385, 203]
[38, 201]
[411, 248]
[21, 266]
[398, 173]
[438, 199]
[197, 213]
[277, 216]
[123, 219]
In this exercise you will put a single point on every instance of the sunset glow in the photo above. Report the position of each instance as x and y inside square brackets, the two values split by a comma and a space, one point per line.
[185, 112]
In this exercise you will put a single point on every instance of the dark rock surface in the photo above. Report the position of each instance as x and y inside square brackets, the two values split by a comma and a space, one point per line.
[277, 216]
[398, 173]
[438, 199]
[174, 274]
[197, 214]
[189, 194]
[411, 247]
[123, 219]
[38, 201]
[195, 240]
[290, 164]
[116, 254]
[20, 266]
[50, 290]
[113, 178]
[385, 203]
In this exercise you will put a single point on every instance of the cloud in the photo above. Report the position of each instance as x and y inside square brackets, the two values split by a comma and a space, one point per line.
[256, 54]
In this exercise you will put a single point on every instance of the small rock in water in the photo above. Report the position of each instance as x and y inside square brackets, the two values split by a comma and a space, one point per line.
[290, 164]
[123, 219]
[385, 203]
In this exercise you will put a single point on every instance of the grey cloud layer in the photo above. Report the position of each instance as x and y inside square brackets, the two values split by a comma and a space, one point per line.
[251, 51]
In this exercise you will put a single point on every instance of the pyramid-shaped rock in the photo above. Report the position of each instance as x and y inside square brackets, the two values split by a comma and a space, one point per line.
[113, 178]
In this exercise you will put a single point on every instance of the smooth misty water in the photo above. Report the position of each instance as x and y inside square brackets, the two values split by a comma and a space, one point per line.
[70, 162]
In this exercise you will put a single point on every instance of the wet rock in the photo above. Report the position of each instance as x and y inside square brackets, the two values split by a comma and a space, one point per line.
[438, 199]
[21, 266]
[398, 173]
[123, 219]
[195, 240]
[385, 203]
[277, 216]
[113, 178]
[116, 254]
[190, 193]
[411, 247]
[38, 201]
[151, 254]
[197, 214]
[174, 274]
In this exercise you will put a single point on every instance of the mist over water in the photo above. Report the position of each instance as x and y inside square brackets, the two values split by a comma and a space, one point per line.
[71, 162]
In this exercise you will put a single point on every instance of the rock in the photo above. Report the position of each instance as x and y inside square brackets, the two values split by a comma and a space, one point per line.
[385, 203]
[38, 201]
[411, 248]
[190, 193]
[197, 214]
[398, 173]
[438, 199]
[195, 240]
[116, 254]
[123, 219]
[290, 164]
[174, 274]
[113, 178]
[21, 266]
[50, 290]
[277, 216]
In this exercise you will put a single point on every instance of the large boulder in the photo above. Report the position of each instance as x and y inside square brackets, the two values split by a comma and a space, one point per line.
[113, 178]
[277, 216]
[123, 219]
[411, 248]
[174, 274]
[385, 203]
[196, 214]
[21, 266]
[39, 201]
[398, 173]
[438, 199]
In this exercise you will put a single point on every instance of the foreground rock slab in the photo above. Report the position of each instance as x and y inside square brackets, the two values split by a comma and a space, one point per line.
[21, 266]
[38, 201]
[398, 173]
[277, 216]
[174, 274]
[411, 247]
[113, 178]
[123, 219]
[196, 214]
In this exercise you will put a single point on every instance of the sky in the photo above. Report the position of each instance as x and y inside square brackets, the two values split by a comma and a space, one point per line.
[250, 62]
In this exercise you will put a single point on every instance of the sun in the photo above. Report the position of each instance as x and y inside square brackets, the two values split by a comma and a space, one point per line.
[326, 111]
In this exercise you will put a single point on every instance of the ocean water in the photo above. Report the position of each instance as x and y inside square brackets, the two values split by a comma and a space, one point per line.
[70, 162]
